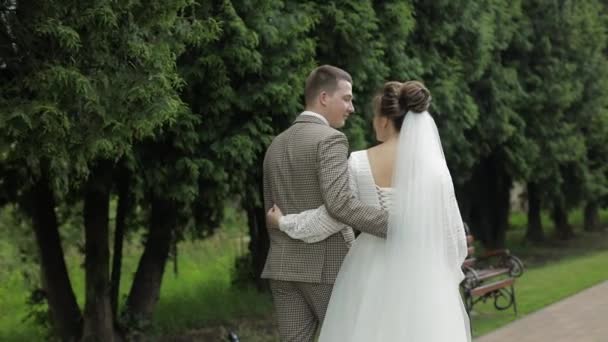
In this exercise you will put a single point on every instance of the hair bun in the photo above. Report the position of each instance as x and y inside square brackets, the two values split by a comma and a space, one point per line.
[414, 97]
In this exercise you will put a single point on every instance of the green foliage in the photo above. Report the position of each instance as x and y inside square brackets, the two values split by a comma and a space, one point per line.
[500, 127]
[80, 87]
[560, 84]
[452, 45]
[83, 84]
[241, 90]
[348, 35]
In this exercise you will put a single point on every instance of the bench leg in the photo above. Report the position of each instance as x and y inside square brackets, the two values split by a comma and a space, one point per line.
[468, 306]
[470, 324]
[513, 299]
[468, 302]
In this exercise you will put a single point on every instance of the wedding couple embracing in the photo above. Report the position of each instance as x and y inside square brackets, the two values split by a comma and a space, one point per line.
[399, 279]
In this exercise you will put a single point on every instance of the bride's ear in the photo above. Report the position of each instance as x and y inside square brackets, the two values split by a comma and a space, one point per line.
[385, 121]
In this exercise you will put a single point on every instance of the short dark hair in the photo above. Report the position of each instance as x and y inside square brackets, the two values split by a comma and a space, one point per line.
[325, 77]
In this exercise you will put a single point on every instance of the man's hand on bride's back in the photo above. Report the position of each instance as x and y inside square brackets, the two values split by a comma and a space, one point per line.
[272, 217]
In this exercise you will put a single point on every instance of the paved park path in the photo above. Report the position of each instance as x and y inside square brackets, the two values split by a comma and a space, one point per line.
[580, 318]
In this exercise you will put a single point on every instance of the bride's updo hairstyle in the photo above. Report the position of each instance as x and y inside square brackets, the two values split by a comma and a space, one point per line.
[397, 99]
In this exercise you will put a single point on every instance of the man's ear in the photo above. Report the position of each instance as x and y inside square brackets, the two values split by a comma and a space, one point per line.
[323, 98]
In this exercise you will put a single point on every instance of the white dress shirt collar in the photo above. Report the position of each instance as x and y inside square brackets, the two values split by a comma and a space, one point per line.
[317, 115]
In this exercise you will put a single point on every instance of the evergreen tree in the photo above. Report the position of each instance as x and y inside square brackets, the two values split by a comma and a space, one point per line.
[243, 87]
[81, 81]
[556, 77]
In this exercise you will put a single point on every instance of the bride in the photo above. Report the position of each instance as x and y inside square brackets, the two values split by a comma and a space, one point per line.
[404, 288]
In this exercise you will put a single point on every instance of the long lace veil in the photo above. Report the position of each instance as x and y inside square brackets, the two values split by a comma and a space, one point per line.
[425, 246]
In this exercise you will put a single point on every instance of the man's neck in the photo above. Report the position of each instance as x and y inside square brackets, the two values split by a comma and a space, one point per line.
[317, 115]
[313, 109]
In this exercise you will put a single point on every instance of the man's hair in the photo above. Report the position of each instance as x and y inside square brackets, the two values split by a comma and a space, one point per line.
[324, 78]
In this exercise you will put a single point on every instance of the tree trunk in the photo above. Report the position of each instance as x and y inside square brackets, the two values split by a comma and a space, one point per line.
[98, 320]
[122, 210]
[465, 201]
[258, 243]
[489, 203]
[65, 313]
[592, 216]
[563, 229]
[146, 286]
[535, 232]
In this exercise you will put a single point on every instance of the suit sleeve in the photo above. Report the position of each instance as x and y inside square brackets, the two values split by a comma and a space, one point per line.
[315, 225]
[337, 195]
[267, 186]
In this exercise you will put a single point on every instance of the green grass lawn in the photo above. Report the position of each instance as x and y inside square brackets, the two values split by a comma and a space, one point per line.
[13, 312]
[199, 300]
[201, 294]
[198, 297]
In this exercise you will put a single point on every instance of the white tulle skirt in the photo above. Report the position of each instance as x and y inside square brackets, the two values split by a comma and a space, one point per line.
[360, 309]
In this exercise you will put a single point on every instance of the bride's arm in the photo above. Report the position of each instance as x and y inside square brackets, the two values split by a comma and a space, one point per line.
[311, 225]
[315, 225]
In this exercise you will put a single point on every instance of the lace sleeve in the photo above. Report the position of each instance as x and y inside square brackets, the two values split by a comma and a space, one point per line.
[352, 181]
[311, 225]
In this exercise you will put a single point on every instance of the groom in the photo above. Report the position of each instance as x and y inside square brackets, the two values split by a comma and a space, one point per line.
[305, 167]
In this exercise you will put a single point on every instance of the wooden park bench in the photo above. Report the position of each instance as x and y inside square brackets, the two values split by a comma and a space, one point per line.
[490, 276]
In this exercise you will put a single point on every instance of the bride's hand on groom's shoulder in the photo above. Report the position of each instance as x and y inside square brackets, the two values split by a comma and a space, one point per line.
[272, 217]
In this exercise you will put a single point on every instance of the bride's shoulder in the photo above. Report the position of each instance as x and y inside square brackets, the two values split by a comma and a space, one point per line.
[380, 147]
[376, 151]
[357, 159]
[357, 155]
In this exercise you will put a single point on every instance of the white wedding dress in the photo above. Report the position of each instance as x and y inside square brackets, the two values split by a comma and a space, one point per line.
[404, 288]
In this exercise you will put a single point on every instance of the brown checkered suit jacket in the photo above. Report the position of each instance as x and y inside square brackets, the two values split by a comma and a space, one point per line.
[305, 167]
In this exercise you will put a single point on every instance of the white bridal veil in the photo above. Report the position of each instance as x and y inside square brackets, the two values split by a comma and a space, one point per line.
[426, 244]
